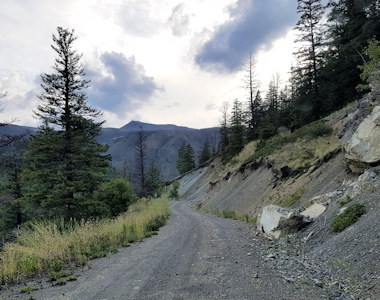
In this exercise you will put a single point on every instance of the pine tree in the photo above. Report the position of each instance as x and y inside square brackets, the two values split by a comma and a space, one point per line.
[185, 160]
[190, 157]
[351, 24]
[251, 86]
[309, 54]
[140, 172]
[11, 214]
[224, 132]
[237, 136]
[154, 180]
[181, 163]
[64, 162]
[205, 154]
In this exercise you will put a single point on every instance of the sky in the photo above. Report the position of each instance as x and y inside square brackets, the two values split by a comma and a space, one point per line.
[154, 61]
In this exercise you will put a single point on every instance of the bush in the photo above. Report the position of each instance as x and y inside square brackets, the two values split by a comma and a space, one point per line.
[117, 194]
[174, 192]
[348, 217]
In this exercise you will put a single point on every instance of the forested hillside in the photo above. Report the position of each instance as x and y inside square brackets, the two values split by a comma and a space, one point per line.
[336, 52]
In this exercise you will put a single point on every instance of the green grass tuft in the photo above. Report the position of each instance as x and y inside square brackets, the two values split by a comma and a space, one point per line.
[293, 198]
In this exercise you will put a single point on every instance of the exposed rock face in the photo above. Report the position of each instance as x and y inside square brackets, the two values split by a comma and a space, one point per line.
[363, 150]
[275, 221]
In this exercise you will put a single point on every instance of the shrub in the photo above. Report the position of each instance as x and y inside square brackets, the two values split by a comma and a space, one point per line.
[117, 194]
[348, 217]
[344, 202]
[174, 192]
[229, 214]
[57, 266]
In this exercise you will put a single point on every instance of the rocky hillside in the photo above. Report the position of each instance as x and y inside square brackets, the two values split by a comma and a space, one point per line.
[326, 171]
[163, 143]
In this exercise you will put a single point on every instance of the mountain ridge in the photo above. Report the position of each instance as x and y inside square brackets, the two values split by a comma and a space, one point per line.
[163, 143]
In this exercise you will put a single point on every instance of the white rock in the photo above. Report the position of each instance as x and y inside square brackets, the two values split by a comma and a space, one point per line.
[364, 147]
[314, 210]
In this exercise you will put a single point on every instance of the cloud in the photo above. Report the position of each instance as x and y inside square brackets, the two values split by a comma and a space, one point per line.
[178, 21]
[140, 17]
[210, 106]
[121, 85]
[253, 24]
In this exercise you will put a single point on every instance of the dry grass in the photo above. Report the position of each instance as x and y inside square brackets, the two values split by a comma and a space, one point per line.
[233, 166]
[301, 154]
[44, 243]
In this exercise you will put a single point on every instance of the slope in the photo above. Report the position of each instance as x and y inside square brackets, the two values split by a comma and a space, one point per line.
[296, 174]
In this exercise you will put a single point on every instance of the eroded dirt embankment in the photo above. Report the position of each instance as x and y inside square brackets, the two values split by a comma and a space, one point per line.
[248, 190]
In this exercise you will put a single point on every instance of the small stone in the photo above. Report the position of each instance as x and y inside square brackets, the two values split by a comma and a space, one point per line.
[318, 283]
[249, 254]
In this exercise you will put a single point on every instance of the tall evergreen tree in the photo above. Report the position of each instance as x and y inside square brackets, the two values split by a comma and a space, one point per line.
[256, 114]
[309, 55]
[154, 179]
[11, 214]
[205, 154]
[64, 162]
[224, 132]
[185, 160]
[140, 172]
[237, 136]
[250, 85]
[351, 24]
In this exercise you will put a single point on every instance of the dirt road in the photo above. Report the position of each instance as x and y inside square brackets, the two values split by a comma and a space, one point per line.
[195, 256]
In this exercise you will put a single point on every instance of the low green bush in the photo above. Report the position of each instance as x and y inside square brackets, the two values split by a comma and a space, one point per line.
[348, 217]
[230, 214]
[174, 192]
[57, 266]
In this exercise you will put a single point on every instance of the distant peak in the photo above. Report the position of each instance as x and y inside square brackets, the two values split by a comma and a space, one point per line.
[136, 125]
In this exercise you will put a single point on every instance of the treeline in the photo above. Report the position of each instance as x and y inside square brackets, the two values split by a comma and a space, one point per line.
[337, 50]
[61, 171]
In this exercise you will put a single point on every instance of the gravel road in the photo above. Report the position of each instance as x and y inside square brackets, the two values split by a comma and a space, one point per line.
[195, 256]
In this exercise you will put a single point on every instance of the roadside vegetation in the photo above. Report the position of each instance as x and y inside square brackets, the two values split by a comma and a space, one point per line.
[348, 217]
[43, 246]
[228, 214]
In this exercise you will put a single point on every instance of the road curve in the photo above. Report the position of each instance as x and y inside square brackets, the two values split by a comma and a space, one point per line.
[195, 256]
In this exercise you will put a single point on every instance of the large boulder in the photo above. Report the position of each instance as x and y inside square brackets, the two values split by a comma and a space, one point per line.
[363, 149]
[275, 221]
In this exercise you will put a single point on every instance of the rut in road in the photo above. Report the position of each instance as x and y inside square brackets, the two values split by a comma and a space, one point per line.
[195, 256]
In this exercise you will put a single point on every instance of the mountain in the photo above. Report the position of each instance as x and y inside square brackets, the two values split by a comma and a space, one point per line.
[136, 125]
[11, 130]
[163, 143]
